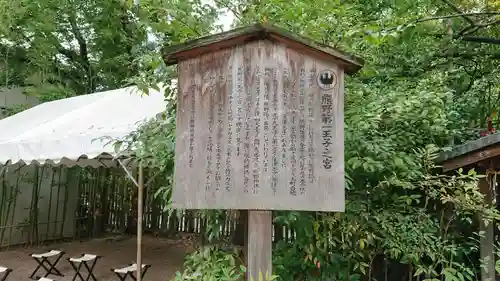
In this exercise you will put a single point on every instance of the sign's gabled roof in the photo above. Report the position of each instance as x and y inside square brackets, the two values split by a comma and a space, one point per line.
[174, 54]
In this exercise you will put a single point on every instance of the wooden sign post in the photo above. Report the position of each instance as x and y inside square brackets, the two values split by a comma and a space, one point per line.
[260, 127]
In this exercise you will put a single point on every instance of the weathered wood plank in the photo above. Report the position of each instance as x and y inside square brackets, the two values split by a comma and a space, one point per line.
[469, 147]
[256, 131]
[259, 245]
[471, 158]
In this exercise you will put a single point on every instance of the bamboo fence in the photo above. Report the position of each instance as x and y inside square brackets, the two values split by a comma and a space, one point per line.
[40, 205]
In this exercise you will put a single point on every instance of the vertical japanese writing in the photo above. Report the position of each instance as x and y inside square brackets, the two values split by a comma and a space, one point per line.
[302, 132]
[229, 146]
[326, 129]
[246, 143]
[239, 108]
[218, 150]
[284, 124]
[191, 124]
[274, 90]
[256, 140]
[208, 176]
[310, 115]
[293, 140]
[268, 74]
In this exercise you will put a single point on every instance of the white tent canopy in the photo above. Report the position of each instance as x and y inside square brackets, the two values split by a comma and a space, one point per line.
[71, 131]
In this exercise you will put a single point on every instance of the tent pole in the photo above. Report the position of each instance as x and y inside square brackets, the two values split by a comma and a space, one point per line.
[139, 222]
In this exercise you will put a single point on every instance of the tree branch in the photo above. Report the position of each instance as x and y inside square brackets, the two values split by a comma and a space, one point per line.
[457, 10]
[84, 55]
[472, 29]
[444, 17]
[79, 38]
[487, 40]
[471, 56]
[70, 54]
[188, 26]
[236, 14]
[494, 22]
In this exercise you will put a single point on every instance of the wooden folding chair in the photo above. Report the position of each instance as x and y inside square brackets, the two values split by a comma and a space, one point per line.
[45, 263]
[86, 261]
[128, 271]
[4, 271]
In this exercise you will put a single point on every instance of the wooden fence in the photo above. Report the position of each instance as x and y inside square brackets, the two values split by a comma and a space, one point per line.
[43, 204]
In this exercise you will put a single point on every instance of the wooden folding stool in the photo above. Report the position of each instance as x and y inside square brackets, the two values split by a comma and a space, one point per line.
[44, 262]
[87, 261]
[128, 271]
[4, 271]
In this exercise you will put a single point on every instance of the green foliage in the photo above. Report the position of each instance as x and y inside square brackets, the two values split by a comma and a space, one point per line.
[211, 264]
[14, 109]
[61, 48]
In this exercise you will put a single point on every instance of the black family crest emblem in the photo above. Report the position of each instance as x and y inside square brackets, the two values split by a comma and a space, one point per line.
[327, 79]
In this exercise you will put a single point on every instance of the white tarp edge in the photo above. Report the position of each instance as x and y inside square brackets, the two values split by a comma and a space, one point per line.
[71, 131]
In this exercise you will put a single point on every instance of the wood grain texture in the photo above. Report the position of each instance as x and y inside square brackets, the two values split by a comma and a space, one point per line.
[255, 131]
[469, 147]
[472, 158]
[243, 35]
[259, 245]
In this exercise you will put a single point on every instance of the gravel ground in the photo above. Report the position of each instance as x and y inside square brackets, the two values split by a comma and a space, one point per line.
[166, 256]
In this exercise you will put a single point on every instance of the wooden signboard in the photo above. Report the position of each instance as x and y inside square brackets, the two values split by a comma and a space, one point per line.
[260, 127]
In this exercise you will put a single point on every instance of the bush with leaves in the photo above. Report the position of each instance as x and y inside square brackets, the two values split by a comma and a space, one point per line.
[211, 263]
[405, 228]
